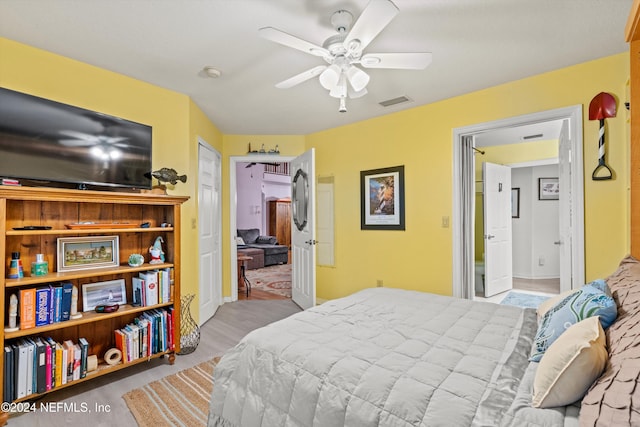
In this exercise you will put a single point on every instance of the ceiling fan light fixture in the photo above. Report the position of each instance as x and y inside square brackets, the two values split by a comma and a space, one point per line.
[340, 90]
[358, 78]
[329, 78]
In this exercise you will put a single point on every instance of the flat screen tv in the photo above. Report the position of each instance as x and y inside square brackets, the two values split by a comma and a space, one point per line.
[51, 143]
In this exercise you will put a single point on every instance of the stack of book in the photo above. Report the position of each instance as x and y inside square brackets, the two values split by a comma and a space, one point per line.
[150, 333]
[152, 287]
[36, 365]
[45, 305]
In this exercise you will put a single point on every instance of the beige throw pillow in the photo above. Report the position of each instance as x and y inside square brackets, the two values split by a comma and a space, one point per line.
[570, 365]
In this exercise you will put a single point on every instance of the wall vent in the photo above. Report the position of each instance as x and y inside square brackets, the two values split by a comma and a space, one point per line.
[394, 101]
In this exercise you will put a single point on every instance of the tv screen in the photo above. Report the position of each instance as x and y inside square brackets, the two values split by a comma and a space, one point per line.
[43, 140]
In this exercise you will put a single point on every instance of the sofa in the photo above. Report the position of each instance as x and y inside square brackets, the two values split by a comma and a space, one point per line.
[273, 252]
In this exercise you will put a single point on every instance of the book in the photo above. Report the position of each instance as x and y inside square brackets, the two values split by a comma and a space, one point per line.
[166, 285]
[67, 288]
[7, 395]
[60, 362]
[138, 294]
[21, 380]
[42, 306]
[150, 286]
[69, 349]
[52, 304]
[57, 304]
[41, 365]
[121, 344]
[54, 361]
[31, 365]
[27, 308]
[77, 361]
[84, 346]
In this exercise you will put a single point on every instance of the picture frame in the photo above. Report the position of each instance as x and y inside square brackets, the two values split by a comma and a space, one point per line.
[382, 199]
[515, 202]
[548, 189]
[82, 253]
[103, 293]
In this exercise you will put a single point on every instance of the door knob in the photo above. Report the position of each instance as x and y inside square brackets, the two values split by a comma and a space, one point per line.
[559, 242]
[311, 242]
[489, 236]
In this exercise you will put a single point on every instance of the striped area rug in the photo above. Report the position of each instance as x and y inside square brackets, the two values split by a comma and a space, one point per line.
[180, 399]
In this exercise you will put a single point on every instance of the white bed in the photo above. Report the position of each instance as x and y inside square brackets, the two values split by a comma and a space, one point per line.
[386, 357]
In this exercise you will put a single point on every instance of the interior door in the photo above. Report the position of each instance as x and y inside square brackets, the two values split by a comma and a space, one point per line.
[303, 230]
[565, 200]
[498, 270]
[209, 232]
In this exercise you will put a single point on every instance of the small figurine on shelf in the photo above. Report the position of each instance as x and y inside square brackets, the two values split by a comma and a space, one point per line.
[74, 304]
[157, 254]
[13, 314]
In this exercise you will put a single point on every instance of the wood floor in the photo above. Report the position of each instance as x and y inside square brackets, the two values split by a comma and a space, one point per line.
[232, 322]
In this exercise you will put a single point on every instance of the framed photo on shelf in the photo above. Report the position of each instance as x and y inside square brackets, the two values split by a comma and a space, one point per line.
[548, 189]
[103, 293]
[382, 199]
[81, 253]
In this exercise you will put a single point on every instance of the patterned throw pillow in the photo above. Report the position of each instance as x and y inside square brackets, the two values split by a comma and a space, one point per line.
[587, 302]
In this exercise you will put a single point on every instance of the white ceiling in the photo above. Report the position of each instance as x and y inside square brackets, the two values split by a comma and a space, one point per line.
[475, 44]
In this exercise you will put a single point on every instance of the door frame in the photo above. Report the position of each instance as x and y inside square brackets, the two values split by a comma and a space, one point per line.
[218, 174]
[233, 198]
[461, 260]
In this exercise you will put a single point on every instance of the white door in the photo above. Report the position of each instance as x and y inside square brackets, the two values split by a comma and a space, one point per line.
[564, 182]
[498, 268]
[303, 230]
[209, 231]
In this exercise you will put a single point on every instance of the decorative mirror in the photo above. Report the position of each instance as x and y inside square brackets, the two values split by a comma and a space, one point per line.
[300, 199]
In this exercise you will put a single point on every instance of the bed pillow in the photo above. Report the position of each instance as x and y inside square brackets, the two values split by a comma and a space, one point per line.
[587, 302]
[615, 395]
[546, 305]
[570, 365]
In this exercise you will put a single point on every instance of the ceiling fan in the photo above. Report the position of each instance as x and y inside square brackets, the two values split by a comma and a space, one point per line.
[102, 146]
[343, 52]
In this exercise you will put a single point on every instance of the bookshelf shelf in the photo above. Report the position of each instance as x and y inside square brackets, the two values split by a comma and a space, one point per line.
[22, 207]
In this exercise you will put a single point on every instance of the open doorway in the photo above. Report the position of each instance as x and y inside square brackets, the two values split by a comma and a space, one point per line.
[571, 211]
[263, 221]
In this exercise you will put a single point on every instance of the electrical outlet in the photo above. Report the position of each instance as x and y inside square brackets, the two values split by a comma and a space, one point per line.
[541, 261]
[380, 283]
[445, 222]
[194, 223]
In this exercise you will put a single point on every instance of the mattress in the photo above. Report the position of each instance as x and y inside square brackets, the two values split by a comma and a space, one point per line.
[385, 357]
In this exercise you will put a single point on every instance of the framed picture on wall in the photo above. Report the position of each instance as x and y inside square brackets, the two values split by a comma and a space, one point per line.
[548, 189]
[515, 203]
[382, 199]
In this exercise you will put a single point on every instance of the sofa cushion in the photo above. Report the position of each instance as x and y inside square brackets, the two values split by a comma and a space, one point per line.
[249, 235]
[266, 240]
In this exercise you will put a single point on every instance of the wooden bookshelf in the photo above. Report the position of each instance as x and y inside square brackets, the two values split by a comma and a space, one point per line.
[57, 208]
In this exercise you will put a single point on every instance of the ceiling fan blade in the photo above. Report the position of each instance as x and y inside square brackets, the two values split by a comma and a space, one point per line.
[79, 135]
[302, 77]
[407, 61]
[372, 20]
[285, 39]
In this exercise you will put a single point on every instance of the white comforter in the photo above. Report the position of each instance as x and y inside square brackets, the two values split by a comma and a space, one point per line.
[379, 357]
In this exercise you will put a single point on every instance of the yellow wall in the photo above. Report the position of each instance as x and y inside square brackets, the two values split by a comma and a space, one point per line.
[421, 139]
[175, 119]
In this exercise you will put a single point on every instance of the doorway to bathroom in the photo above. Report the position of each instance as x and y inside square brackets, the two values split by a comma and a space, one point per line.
[570, 175]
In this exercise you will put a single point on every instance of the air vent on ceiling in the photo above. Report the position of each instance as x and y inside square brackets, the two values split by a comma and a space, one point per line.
[537, 135]
[394, 101]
